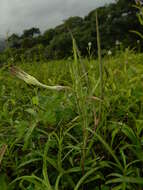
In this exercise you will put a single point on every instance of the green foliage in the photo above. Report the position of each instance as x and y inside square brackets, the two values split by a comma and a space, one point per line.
[30, 32]
[64, 140]
[56, 141]
[116, 21]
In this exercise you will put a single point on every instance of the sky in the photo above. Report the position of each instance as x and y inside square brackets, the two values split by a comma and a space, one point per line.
[17, 15]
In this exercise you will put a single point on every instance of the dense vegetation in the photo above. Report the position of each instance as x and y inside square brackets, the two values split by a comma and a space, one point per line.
[115, 21]
[55, 140]
[86, 136]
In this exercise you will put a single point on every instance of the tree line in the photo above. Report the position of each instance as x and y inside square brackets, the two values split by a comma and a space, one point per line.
[116, 21]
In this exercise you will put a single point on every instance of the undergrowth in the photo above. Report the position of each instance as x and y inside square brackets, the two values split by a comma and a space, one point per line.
[57, 141]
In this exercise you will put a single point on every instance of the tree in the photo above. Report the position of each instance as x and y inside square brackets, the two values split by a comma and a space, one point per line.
[31, 32]
[116, 20]
[14, 41]
[60, 46]
[73, 22]
[47, 36]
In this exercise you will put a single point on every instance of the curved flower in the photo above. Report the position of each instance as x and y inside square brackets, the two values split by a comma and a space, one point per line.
[32, 80]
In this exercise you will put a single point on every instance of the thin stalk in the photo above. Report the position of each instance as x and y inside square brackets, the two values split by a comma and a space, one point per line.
[100, 65]
[81, 101]
[77, 57]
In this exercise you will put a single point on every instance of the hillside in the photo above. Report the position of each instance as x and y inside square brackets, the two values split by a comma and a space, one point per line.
[115, 24]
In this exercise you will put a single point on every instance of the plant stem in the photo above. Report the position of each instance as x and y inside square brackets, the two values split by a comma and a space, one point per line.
[100, 65]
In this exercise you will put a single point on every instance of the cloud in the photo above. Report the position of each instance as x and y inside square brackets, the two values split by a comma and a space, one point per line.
[17, 15]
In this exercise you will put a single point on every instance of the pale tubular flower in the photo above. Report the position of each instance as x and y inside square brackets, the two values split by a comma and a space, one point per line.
[117, 42]
[32, 80]
[109, 52]
[89, 44]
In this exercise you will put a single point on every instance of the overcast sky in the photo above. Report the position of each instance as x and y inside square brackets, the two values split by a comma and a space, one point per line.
[17, 15]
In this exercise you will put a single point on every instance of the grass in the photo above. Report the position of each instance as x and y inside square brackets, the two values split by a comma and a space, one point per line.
[55, 141]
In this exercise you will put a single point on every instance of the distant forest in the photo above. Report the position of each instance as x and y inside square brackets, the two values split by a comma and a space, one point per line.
[116, 21]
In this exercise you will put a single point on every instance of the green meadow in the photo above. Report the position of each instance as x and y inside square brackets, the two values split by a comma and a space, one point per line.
[71, 103]
[73, 139]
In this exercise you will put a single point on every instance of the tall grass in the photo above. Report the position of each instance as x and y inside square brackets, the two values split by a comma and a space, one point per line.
[53, 139]
[100, 65]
